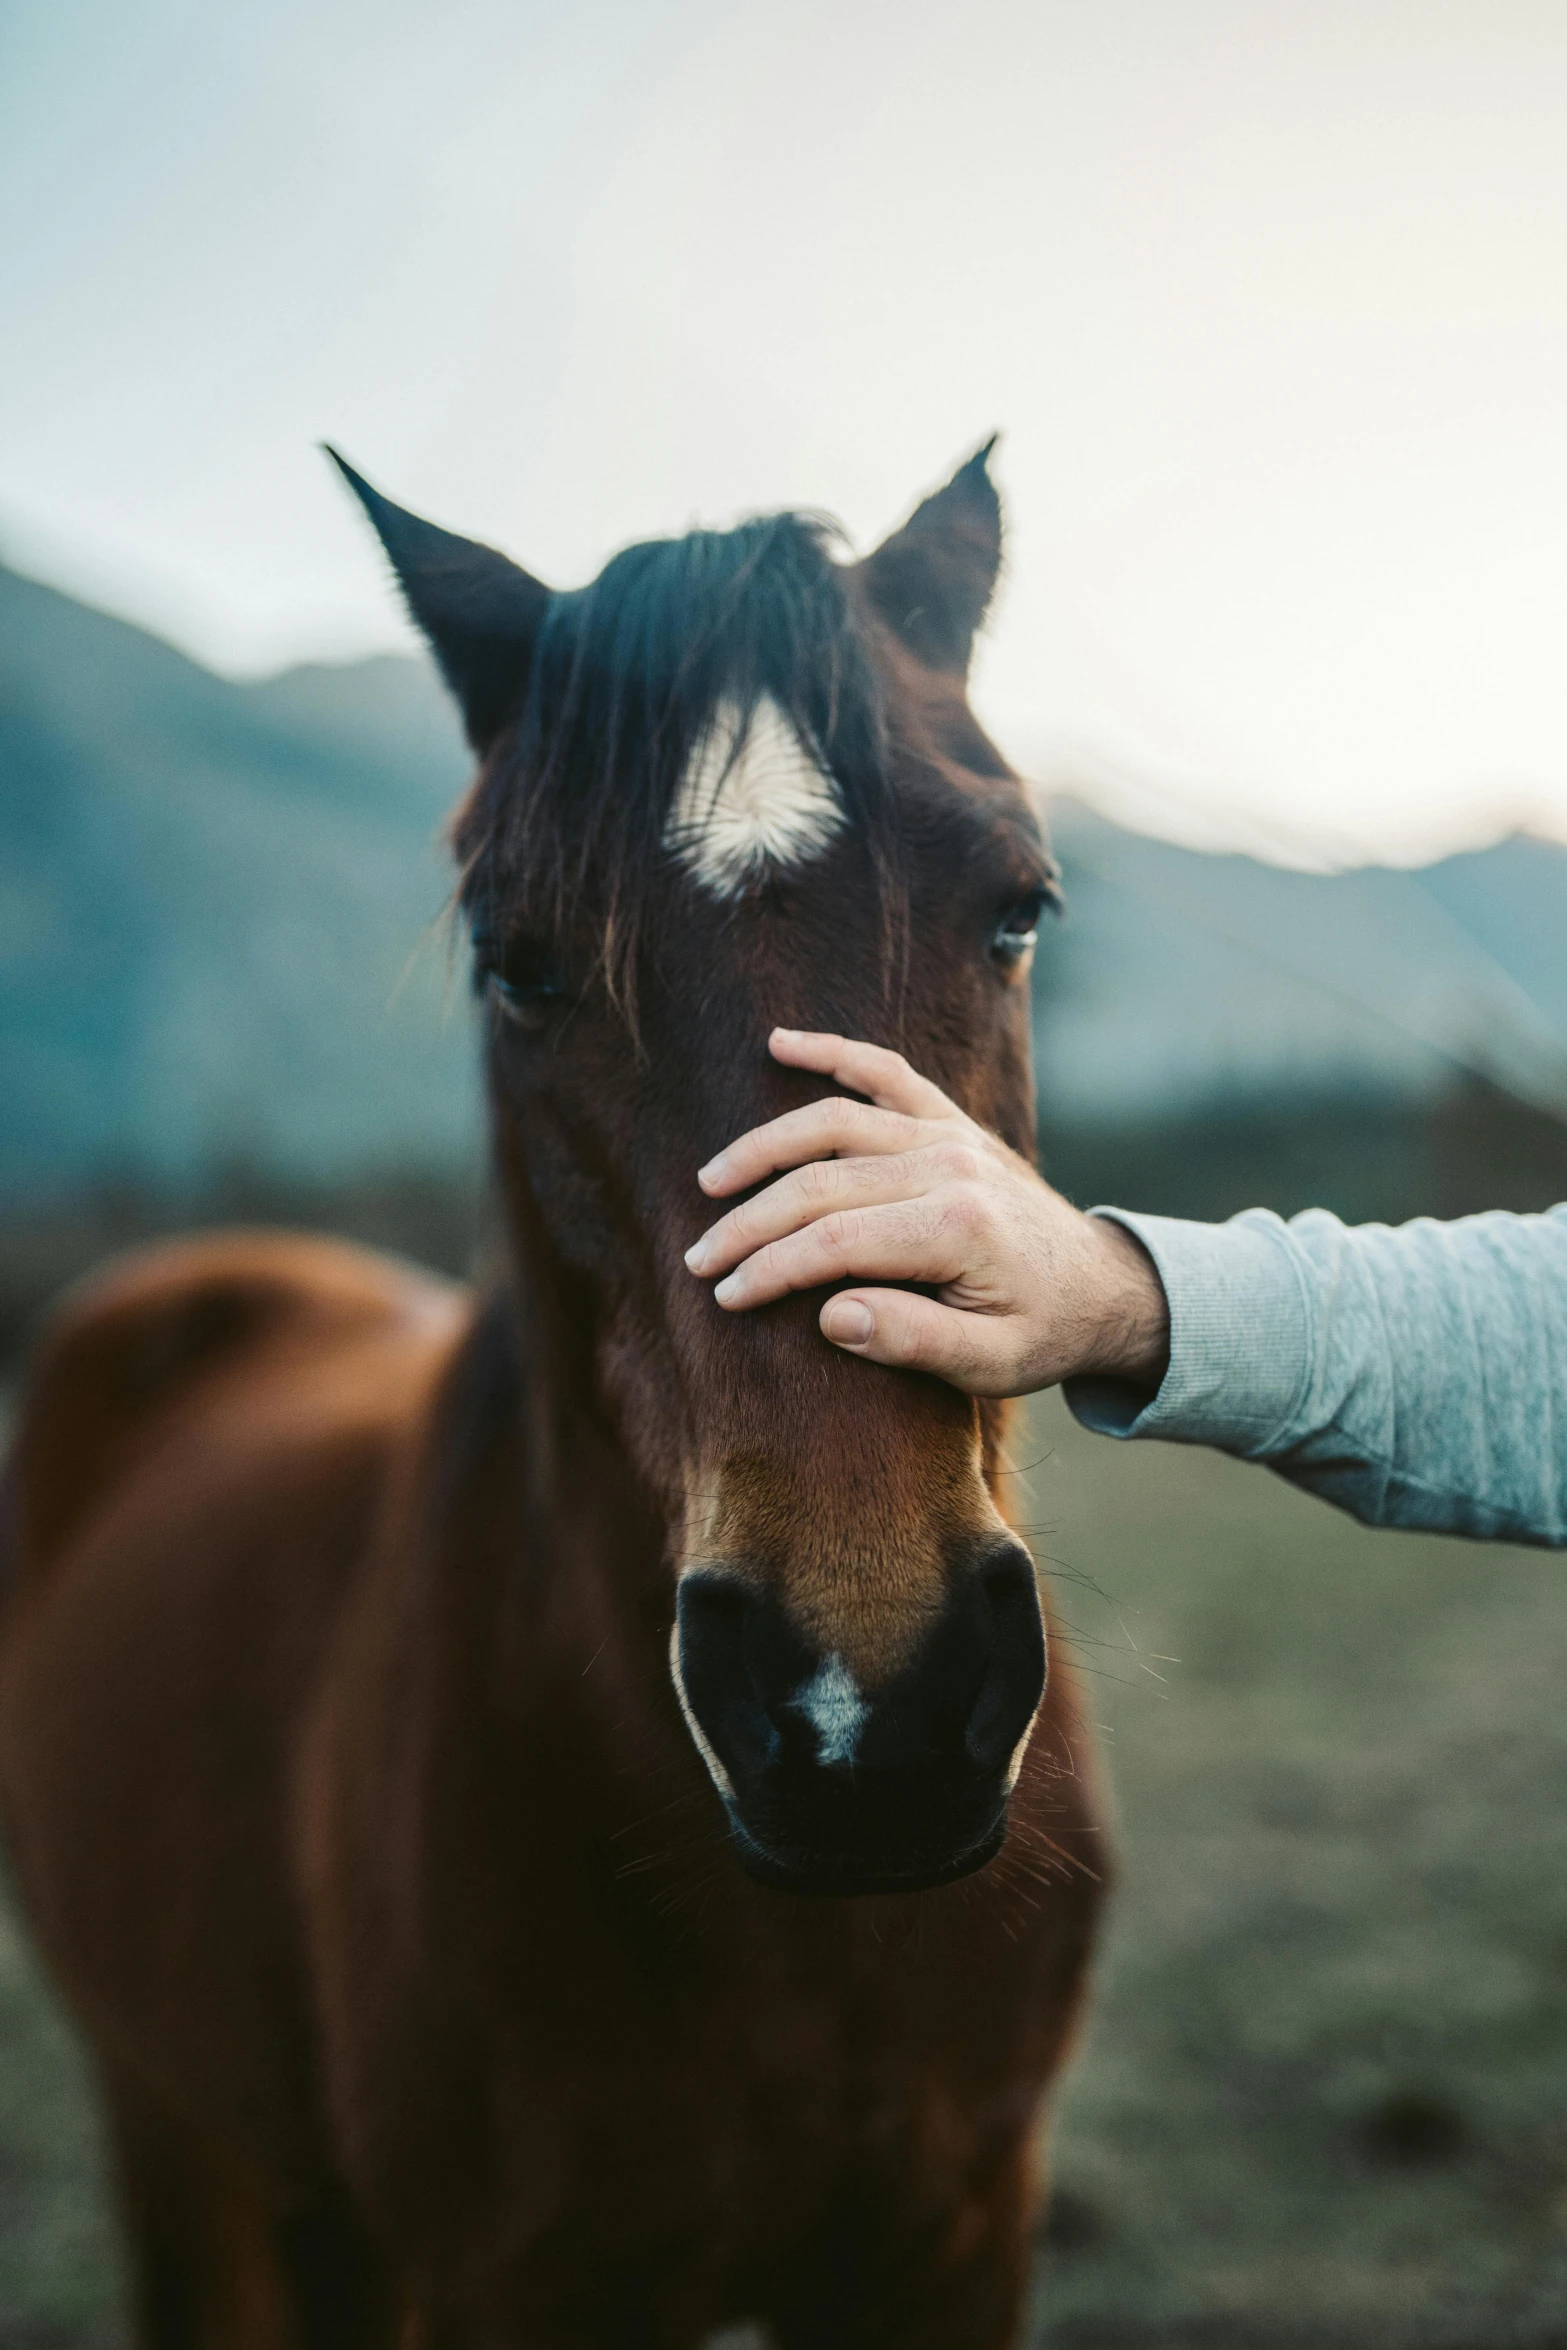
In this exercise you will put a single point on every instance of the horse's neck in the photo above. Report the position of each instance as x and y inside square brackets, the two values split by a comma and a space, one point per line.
[538, 1481]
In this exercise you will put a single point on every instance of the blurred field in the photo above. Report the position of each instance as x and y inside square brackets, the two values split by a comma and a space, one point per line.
[1324, 2097]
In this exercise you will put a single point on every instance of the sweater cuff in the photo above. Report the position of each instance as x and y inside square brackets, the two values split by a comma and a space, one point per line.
[1240, 1338]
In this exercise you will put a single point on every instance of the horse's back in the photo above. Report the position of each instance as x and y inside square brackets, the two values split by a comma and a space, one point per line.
[203, 1454]
[139, 1353]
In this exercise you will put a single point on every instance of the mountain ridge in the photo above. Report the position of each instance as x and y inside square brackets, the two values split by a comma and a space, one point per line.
[221, 914]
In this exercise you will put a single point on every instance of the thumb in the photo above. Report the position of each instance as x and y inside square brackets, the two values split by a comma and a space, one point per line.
[914, 1333]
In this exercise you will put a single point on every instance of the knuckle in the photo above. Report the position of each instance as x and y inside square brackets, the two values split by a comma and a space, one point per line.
[981, 1203]
[961, 1162]
[819, 1181]
[963, 1208]
[837, 1231]
[764, 1266]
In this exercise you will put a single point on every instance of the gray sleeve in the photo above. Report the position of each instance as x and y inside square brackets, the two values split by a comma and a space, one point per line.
[1416, 1377]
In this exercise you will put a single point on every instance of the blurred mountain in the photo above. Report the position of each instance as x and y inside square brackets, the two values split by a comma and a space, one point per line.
[1181, 982]
[220, 936]
[221, 945]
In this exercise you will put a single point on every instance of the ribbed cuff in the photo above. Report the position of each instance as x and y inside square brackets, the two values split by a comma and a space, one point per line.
[1240, 1338]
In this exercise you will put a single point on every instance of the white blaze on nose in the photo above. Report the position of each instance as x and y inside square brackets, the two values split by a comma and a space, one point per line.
[746, 804]
[832, 1704]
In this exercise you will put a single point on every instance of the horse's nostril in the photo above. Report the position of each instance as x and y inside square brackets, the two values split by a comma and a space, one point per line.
[718, 1619]
[1014, 1680]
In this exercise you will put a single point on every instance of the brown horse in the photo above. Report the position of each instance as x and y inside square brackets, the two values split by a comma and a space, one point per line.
[425, 1718]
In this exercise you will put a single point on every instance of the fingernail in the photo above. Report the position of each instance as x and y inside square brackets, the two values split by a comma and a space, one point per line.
[714, 1171]
[788, 1032]
[696, 1254]
[727, 1289]
[850, 1324]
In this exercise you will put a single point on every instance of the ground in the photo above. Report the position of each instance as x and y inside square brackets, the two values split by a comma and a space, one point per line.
[1324, 2097]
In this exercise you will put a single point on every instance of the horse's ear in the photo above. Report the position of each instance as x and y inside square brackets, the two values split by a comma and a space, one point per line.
[479, 610]
[932, 580]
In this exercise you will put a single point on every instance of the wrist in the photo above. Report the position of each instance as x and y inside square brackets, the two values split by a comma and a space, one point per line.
[1129, 1326]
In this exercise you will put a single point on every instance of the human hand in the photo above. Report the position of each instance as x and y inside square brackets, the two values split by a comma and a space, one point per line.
[903, 1187]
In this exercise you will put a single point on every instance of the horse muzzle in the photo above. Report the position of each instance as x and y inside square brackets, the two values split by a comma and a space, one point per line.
[836, 1788]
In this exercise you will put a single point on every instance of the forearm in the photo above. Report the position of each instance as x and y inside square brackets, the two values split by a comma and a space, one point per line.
[1416, 1377]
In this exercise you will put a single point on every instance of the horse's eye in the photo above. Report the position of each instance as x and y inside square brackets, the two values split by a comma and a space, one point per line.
[521, 974]
[1017, 933]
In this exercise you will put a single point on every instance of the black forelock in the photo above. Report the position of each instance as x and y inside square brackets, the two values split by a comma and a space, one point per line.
[570, 816]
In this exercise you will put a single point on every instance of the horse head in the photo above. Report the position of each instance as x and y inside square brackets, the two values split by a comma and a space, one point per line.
[736, 782]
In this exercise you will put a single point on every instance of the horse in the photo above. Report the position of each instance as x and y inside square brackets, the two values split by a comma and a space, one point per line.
[546, 1802]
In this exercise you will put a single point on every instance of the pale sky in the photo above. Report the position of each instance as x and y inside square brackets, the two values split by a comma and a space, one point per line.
[1269, 298]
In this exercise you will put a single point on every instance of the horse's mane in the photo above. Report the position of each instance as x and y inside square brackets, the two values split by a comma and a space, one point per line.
[569, 816]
